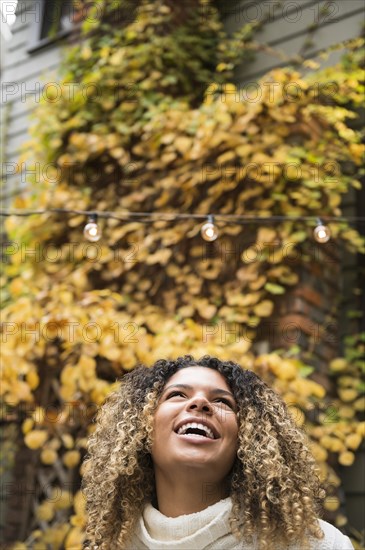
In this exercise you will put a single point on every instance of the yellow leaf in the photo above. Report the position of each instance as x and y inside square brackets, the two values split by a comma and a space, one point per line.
[286, 370]
[359, 404]
[35, 439]
[79, 503]
[207, 311]
[116, 58]
[346, 458]
[166, 158]
[311, 64]
[166, 139]
[74, 540]
[347, 394]
[173, 270]
[331, 503]
[39, 415]
[243, 300]
[22, 391]
[48, 456]
[353, 441]
[86, 52]
[266, 235]
[341, 521]
[32, 379]
[251, 255]
[27, 425]
[87, 366]
[127, 106]
[244, 150]
[159, 257]
[62, 499]
[360, 429]
[45, 511]
[54, 444]
[186, 311]
[225, 157]
[71, 458]
[78, 521]
[183, 144]
[163, 199]
[316, 389]
[221, 67]
[264, 308]
[68, 441]
[259, 283]
[108, 350]
[347, 412]
[334, 200]
[338, 364]
[66, 297]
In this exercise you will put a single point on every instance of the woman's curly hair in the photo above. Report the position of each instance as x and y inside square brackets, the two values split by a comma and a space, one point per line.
[273, 483]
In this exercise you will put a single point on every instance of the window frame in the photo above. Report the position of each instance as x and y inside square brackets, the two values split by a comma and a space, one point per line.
[37, 43]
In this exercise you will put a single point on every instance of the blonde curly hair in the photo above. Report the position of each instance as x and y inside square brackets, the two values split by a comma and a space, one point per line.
[274, 486]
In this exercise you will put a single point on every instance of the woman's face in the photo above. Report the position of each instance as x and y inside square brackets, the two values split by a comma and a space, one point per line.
[195, 425]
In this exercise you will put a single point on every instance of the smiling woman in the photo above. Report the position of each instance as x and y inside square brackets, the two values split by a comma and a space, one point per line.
[201, 454]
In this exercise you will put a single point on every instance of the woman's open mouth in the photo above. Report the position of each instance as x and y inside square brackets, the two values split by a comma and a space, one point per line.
[196, 431]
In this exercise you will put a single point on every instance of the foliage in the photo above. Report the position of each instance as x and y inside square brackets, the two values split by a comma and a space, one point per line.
[155, 124]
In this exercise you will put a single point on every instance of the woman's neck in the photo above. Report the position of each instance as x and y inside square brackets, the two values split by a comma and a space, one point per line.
[186, 495]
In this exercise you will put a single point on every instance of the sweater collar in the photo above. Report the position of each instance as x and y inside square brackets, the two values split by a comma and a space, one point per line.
[199, 529]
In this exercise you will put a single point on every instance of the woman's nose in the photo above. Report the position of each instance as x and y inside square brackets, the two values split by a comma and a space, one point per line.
[200, 404]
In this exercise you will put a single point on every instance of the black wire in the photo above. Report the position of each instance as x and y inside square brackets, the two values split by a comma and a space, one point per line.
[148, 217]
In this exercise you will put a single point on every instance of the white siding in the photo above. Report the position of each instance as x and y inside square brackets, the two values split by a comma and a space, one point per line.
[287, 29]
[23, 76]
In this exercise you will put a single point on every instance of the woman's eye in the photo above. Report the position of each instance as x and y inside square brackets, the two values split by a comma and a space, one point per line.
[225, 401]
[175, 393]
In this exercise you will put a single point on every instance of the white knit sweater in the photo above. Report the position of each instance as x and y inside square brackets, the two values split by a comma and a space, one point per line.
[209, 530]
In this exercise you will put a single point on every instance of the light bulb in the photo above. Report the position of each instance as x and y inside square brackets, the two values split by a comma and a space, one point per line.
[322, 234]
[209, 231]
[92, 231]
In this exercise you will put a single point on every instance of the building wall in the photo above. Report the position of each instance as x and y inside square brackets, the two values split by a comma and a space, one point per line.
[25, 69]
[287, 30]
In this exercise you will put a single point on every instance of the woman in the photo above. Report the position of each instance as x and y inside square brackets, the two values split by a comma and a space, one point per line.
[201, 454]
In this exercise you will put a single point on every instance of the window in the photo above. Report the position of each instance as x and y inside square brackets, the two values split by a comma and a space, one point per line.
[57, 18]
[54, 20]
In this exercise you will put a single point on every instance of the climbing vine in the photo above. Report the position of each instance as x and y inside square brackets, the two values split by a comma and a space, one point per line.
[146, 118]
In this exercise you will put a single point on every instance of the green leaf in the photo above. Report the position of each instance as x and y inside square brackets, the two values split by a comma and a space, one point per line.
[299, 236]
[293, 350]
[354, 314]
[274, 288]
[305, 371]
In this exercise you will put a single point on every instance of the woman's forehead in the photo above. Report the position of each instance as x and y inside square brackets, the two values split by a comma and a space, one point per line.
[197, 376]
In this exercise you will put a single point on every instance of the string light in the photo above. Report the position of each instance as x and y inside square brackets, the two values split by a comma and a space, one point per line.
[92, 231]
[209, 231]
[322, 233]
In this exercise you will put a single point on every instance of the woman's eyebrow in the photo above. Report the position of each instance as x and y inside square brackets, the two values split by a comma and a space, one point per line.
[183, 386]
[218, 390]
[187, 387]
